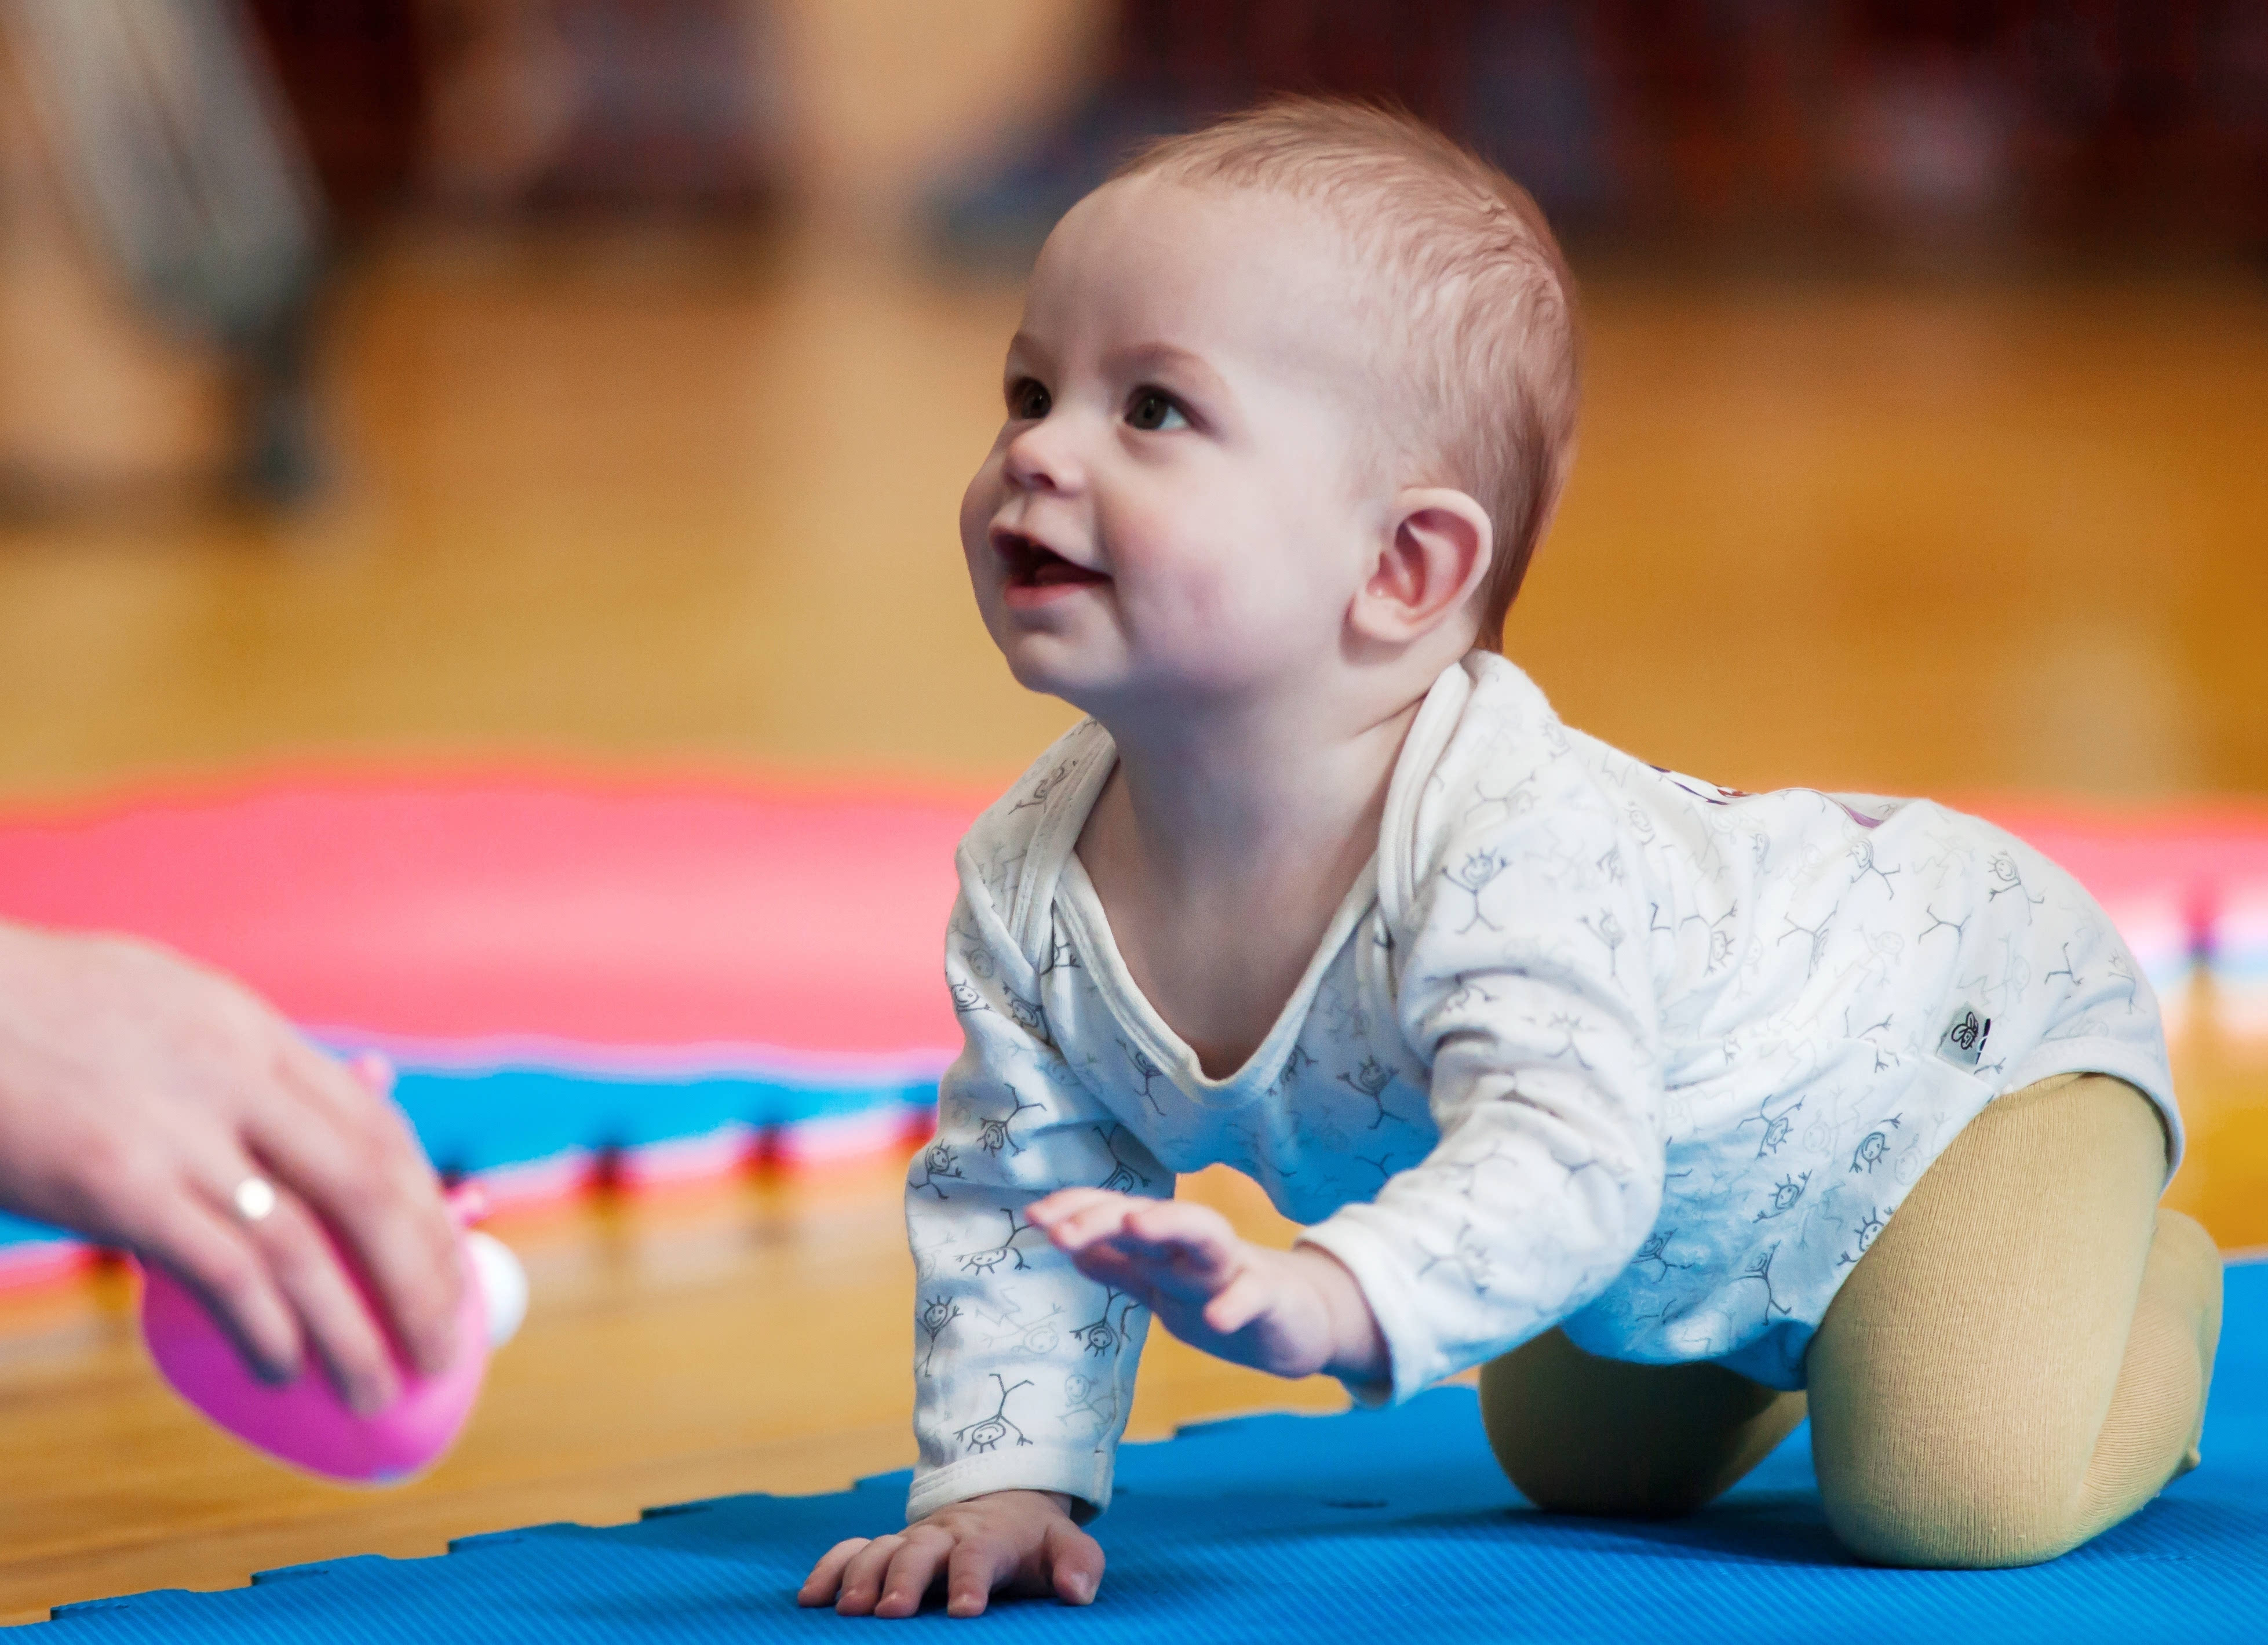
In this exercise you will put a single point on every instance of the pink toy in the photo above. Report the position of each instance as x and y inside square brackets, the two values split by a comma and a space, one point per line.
[304, 1422]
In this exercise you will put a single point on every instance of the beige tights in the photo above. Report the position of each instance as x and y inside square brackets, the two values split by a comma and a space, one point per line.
[2018, 1363]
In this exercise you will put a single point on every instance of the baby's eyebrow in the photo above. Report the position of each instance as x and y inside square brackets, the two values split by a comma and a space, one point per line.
[1137, 358]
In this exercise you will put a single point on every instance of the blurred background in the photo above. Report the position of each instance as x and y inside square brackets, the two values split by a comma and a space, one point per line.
[602, 374]
[389, 380]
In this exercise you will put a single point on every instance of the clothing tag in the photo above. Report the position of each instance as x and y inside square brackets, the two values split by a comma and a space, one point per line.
[1963, 1043]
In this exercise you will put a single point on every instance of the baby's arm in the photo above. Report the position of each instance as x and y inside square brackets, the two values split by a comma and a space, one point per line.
[1526, 983]
[1293, 1313]
[1023, 1368]
[1537, 1017]
[1520, 1251]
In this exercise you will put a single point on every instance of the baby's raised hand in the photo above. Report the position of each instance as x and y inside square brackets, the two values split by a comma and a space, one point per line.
[1292, 1312]
[1020, 1541]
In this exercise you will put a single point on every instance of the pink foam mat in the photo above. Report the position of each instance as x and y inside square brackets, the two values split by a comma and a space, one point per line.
[664, 923]
[440, 909]
[653, 933]
[2205, 850]
[2188, 885]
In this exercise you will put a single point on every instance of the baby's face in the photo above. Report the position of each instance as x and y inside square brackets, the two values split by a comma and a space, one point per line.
[1184, 497]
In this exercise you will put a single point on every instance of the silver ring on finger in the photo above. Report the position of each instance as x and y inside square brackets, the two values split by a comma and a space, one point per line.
[254, 1200]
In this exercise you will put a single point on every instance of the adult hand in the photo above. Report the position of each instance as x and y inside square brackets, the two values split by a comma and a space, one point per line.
[139, 1093]
[1023, 1542]
[1292, 1312]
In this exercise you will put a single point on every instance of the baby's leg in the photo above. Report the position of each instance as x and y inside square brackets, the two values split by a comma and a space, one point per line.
[2021, 1359]
[1584, 1436]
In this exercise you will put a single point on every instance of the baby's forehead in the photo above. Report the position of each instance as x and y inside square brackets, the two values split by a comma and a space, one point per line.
[1303, 249]
[1230, 269]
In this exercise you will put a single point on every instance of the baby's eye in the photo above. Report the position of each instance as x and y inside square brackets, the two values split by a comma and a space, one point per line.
[1028, 399]
[1150, 409]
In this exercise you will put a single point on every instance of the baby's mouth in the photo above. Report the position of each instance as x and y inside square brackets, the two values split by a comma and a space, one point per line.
[1033, 565]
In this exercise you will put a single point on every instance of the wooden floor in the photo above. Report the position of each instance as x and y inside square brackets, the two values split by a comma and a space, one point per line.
[661, 499]
[677, 498]
[716, 1340]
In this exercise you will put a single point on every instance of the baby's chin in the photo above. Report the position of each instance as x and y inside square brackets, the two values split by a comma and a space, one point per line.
[1058, 665]
[1104, 681]
[1079, 651]
[1095, 673]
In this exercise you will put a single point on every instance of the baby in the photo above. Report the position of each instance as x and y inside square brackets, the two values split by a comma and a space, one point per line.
[1671, 1107]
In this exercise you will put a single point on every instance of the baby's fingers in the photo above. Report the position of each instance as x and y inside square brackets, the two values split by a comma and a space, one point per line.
[975, 1570]
[1065, 1203]
[1181, 1223]
[1194, 1239]
[826, 1578]
[1118, 1259]
[1075, 1563]
[921, 1555]
[1248, 1296]
[862, 1576]
[1105, 1261]
[1077, 1218]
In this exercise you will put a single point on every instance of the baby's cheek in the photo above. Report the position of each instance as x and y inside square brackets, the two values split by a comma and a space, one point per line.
[978, 504]
[1183, 595]
[1197, 579]
[1258, 587]
[1229, 633]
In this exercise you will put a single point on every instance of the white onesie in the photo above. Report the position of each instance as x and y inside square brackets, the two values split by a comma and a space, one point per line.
[1589, 1045]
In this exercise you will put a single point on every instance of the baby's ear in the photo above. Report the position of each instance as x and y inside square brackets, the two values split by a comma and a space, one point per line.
[1435, 557]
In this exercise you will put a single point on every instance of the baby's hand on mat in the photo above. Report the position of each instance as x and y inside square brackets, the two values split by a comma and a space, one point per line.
[1292, 1312]
[1020, 1541]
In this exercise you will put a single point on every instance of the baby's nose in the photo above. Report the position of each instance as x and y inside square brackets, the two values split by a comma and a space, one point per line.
[1039, 459]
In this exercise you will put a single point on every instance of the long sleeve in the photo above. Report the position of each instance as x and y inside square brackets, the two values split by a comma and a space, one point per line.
[1524, 984]
[1023, 1367]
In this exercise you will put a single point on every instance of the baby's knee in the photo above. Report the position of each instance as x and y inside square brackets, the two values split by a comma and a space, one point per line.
[1561, 1475]
[2185, 1274]
[1584, 1436]
[1941, 1481]
[1939, 1514]
[1972, 1494]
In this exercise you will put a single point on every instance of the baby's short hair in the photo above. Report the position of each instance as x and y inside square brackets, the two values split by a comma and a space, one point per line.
[1474, 272]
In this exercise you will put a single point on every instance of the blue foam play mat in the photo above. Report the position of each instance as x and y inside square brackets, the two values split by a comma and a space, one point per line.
[1387, 1526]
